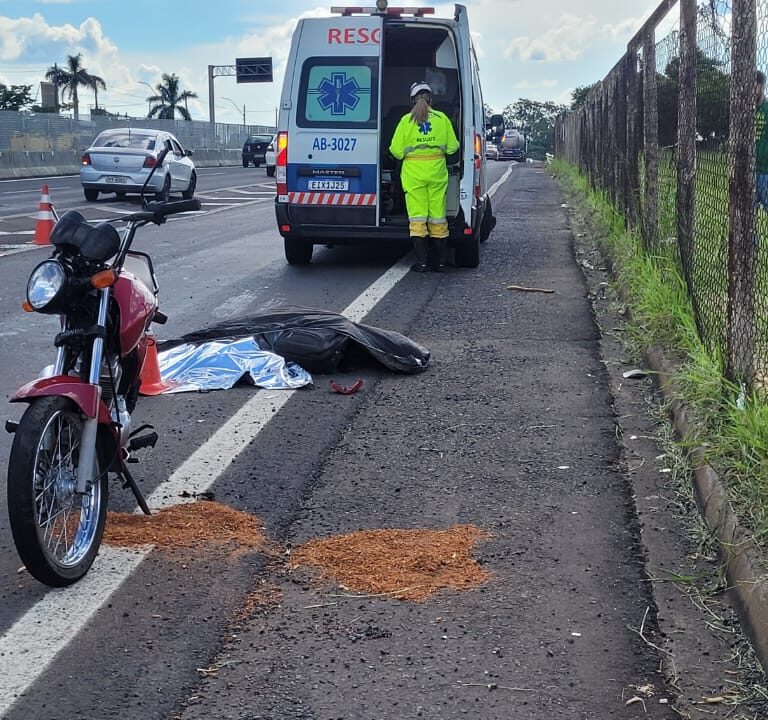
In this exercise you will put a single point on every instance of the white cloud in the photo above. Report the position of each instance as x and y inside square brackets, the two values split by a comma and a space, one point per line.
[585, 43]
[566, 41]
[570, 37]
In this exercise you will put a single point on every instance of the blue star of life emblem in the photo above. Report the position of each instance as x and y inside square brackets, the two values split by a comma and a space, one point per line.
[425, 128]
[339, 93]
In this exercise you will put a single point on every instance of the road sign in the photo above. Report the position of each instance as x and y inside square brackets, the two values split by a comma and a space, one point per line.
[248, 70]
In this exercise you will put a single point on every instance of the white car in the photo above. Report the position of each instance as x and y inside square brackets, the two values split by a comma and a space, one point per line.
[269, 160]
[491, 151]
[120, 160]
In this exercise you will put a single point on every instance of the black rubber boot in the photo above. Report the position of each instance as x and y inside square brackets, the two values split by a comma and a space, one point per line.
[420, 245]
[438, 251]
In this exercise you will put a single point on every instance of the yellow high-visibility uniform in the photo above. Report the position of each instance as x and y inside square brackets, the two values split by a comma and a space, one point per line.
[422, 147]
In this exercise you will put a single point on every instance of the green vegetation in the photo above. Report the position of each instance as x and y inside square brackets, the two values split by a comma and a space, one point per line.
[537, 120]
[72, 77]
[169, 99]
[579, 95]
[731, 424]
[15, 97]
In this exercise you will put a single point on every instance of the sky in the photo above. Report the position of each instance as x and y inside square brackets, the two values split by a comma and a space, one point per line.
[536, 49]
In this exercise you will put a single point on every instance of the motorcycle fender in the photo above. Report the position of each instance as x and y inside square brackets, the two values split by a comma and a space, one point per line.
[83, 394]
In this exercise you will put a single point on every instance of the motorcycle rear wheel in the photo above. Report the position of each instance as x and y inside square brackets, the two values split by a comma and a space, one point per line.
[56, 531]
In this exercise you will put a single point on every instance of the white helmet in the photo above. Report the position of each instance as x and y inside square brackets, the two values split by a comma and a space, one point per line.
[418, 87]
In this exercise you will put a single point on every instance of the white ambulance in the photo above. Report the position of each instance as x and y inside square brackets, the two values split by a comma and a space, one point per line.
[346, 87]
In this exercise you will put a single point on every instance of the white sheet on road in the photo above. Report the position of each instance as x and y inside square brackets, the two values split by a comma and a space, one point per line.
[219, 365]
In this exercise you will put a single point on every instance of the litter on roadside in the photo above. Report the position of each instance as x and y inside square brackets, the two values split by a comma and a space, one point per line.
[634, 374]
[344, 390]
[522, 288]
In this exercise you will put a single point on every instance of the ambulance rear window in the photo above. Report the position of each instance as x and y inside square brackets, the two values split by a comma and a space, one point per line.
[339, 92]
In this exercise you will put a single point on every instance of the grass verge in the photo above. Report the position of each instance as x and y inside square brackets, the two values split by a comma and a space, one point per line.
[731, 426]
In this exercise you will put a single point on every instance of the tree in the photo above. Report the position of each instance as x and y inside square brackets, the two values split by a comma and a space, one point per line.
[97, 83]
[537, 120]
[169, 99]
[712, 100]
[15, 97]
[579, 95]
[72, 77]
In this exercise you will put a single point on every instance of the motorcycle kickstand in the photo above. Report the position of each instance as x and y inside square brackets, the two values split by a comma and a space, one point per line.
[129, 482]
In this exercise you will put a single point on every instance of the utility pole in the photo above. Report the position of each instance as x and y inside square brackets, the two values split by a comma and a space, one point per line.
[211, 108]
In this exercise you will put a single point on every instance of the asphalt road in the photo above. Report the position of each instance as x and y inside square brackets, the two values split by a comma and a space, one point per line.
[511, 429]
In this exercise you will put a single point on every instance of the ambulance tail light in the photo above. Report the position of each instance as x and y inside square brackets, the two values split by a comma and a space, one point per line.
[281, 166]
[478, 162]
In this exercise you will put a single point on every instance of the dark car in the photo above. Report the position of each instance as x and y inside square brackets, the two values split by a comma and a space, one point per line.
[255, 149]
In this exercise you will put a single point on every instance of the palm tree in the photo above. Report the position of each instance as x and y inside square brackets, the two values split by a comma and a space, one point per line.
[72, 77]
[169, 99]
[96, 83]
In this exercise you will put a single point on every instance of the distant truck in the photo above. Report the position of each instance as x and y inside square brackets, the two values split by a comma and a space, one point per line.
[513, 145]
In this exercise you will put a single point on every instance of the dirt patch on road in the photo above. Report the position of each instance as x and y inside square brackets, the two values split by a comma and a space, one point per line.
[186, 525]
[405, 564]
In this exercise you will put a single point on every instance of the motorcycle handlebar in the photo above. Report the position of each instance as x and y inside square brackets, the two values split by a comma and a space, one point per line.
[163, 209]
[156, 212]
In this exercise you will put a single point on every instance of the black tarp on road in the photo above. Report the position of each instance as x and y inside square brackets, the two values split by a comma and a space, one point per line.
[317, 340]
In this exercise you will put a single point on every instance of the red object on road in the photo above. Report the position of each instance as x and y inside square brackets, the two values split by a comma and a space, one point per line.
[344, 390]
[46, 219]
[151, 381]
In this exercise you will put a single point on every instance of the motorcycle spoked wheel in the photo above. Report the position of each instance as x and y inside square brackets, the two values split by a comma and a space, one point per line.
[56, 531]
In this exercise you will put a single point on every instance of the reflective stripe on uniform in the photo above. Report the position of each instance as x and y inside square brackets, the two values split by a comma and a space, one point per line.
[424, 157]
[437, 221]
[439, 231]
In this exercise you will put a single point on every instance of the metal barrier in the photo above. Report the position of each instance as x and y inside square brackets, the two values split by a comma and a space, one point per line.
[671, 134]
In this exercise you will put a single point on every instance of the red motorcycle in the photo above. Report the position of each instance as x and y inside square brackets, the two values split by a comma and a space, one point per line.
[77, 428]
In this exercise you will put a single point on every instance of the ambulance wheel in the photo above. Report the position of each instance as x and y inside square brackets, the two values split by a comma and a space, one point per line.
[298, 251]
[468, 253]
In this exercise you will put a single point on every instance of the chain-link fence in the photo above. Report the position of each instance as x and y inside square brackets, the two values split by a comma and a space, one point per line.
[47, 131]
[677, 135]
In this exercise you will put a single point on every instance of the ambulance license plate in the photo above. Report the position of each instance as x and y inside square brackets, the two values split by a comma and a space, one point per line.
[328, 185]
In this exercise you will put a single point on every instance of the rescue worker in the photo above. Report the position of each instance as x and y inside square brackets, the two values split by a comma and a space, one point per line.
[422, 139]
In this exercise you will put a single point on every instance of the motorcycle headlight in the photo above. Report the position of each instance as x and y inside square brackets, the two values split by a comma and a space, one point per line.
[46, 284]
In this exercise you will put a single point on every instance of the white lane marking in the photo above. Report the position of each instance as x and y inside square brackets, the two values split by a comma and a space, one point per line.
[33, 641]
[231, 200]
[17, 250]
[227, 203]
[201, 469]
[230, 206]
[42, 177]
[29, 647]
[500, 182]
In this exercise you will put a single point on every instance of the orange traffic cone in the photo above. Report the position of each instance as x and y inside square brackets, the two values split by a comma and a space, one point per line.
[46, 217]
[151, 382]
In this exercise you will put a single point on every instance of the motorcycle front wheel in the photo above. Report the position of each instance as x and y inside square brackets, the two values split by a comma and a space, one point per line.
[57, 531]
